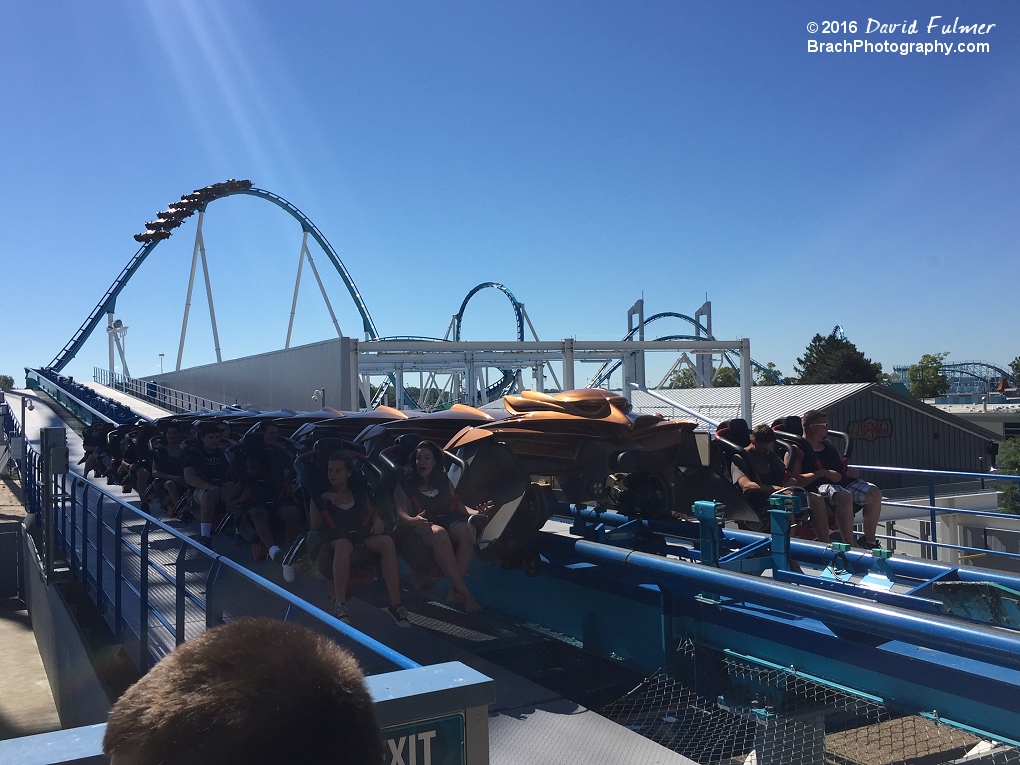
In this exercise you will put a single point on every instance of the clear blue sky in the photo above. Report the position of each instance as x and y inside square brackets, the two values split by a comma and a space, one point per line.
[579, 152]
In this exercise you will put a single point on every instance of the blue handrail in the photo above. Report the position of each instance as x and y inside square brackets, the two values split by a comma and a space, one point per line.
[73, 515]
[931, 476]
[935, 473]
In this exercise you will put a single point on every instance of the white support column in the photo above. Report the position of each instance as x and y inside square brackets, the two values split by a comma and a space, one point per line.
[703, 361]
[530, 325]
[534, 334]
[366, 387]
[745, 380]
[118, 338]
[109, 335]
[483, 386]
[353, 377]
[325, 297]
[398, 374]
[187, 300]
[540, 377]
[568, 363]
[297, 287]
[208, 288]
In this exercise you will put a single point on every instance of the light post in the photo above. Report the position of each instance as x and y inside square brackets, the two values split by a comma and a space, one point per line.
[24, 425]
[320, 395]
[161, 363]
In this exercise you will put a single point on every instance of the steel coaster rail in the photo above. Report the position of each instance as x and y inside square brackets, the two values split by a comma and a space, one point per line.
[994, 645]
[64, 516]
[109, 299]
[70, 398]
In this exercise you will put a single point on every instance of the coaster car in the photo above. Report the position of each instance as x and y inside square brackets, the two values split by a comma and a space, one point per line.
[583, 447]
[343, 425]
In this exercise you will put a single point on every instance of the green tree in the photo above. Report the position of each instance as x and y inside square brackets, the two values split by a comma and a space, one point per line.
[6, 382]
[1008, 462]
[760, 378]
[725, 377]
[926, 378]
[833, 360]
[683, 378]
[1014, 367]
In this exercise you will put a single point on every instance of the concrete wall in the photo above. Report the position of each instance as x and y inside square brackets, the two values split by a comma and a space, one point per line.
[268, 381]
[78, 693]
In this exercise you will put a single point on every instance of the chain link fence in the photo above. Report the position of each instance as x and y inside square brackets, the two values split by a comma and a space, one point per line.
[720, 710]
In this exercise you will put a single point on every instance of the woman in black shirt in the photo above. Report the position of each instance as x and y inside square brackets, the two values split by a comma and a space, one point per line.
[427, 502]
[346, 520]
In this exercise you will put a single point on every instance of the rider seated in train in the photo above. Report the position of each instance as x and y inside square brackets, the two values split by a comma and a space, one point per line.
[761, 472]
[427, 504]
[140, 472]
[168, 469]
[118, 447]
[834, 487]
[96, 448]
[206, 471]
[267, 498]
[344, 521]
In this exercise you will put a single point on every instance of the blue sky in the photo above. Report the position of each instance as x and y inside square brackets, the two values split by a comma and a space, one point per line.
[582, 153]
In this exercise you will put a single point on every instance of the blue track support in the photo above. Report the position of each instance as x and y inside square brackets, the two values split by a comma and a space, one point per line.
[711, 531]
[109, 300]
[987, 644]
[781, 518]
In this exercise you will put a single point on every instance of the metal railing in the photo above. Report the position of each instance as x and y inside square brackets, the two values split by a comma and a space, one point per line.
[934, 510]
[170, 399]
[146, 577]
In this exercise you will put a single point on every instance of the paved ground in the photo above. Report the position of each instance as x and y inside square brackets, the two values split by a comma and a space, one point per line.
[26, 702]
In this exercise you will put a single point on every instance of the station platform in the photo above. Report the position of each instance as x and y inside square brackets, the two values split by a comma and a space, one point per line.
[528, 722]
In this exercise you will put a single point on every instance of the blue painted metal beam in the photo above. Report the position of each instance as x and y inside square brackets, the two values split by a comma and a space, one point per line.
[820, 554]
[913, 662]
[980, 643]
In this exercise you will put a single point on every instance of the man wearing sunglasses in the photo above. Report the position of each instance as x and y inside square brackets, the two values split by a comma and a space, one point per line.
[835, 487]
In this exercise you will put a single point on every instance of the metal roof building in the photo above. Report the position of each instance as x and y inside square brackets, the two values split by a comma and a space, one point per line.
[888, 428]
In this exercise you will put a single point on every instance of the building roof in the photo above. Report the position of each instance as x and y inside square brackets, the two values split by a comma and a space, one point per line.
[770, 402]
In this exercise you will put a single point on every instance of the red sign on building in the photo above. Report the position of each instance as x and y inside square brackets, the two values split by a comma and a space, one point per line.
[870, 429]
